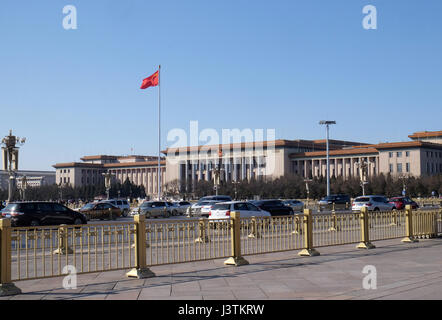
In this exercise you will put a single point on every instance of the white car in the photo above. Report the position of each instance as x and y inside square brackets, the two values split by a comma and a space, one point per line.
[372, 203]
[222, 210]
[201, 208]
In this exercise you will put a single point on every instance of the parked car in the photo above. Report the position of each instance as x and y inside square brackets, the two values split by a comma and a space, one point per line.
[123, 204]
[153, 209]
[372, 203]
[296, 205]
[274, 207]
[216, 198]
[181, 206]
[201, 207]
[336, 199]
[222, 210]
[401, 202]
[101, 210]
[24, 214]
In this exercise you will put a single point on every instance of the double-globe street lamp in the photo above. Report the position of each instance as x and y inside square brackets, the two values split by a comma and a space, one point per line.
[10, 147]
[327, 123]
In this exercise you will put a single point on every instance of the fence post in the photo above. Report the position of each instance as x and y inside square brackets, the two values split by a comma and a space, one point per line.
[298, 229]
[255, 232]
[365, 235]
[141, 271]
[236, 259]
[409, 225]
[63, 241]
[334, 220]
[308, 235]
[202, 236]
[7, 288]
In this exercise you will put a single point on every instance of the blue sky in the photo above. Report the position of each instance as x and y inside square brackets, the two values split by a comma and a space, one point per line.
[280, 65]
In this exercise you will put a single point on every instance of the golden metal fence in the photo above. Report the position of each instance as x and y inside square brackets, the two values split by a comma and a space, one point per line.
[336, 229]
[425, 223]
[41, 252]
[45, 251]
[180, 241]
[386, 225]
[439, 222]
[271, 234]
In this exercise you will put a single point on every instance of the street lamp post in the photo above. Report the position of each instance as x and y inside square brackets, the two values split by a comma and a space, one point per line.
[307, 189]
[10, 146]
[23, 187]
[217, 172]
[363, 168]
[107, 183]
[327, 124]
[235, 184]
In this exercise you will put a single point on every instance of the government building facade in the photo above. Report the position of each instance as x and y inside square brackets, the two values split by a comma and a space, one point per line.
[184, 167]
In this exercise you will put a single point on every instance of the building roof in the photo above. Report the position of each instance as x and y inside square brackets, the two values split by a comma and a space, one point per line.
[98, 157]
[134, 164]
[108, 165]
[340, 142]
[408, 144]
[369, 149]
[426, 134]
[335, 152]
[249, 145]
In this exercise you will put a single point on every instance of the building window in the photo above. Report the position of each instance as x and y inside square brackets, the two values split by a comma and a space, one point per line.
[399, 154]
[399, 167]
[407, 167]
[390, 154]
[391, 168]
[407, 153]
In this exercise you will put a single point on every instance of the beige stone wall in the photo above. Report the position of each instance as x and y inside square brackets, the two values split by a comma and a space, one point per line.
[413, 159]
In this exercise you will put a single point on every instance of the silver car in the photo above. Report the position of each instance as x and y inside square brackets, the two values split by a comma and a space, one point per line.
[372, 203]
[201, 208]
[180, 207]
[296, 205]
[153, 209]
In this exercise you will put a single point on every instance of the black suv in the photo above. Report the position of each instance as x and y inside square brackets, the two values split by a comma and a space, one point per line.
[274, 207]
[336, 199]
[24, 214]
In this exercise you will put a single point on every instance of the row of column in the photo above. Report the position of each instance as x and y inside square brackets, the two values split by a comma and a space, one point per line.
[145, 176]
[233, 169]
[345, 167]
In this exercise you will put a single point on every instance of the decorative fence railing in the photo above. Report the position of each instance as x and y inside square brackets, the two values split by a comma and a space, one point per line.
[43, 252]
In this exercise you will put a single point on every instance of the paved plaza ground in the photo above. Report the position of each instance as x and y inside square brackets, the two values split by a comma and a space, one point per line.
[404, 271]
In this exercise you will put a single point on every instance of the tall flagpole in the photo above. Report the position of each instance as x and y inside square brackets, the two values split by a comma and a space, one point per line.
[159, 133]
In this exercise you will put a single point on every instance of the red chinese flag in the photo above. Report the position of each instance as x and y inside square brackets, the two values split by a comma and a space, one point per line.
[151, 81]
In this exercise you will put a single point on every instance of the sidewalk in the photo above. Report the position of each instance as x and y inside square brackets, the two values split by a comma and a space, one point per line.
[404, 271]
